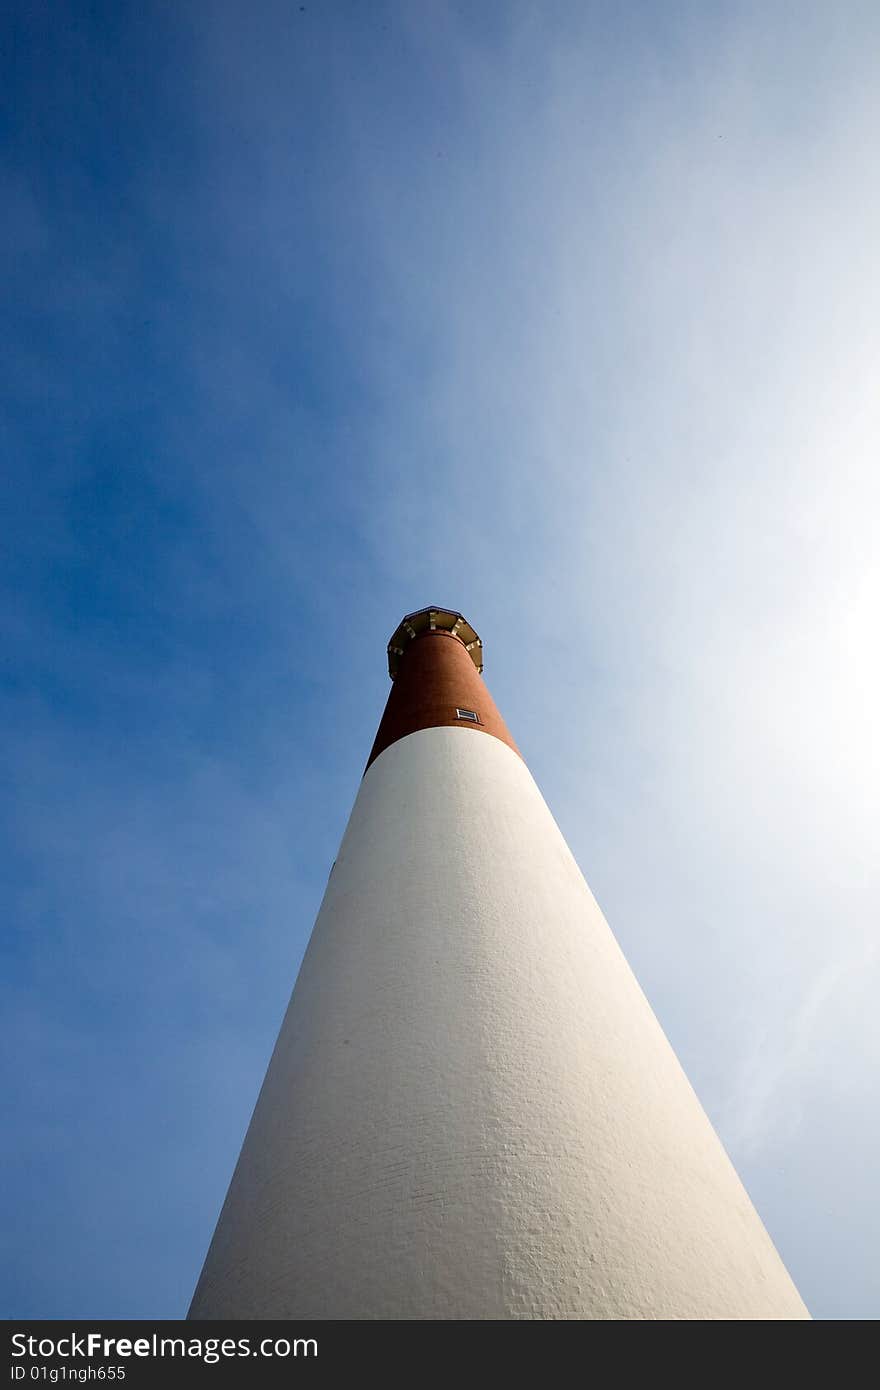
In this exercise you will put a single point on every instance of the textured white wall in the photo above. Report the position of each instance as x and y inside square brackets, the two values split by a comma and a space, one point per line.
[471, 1111]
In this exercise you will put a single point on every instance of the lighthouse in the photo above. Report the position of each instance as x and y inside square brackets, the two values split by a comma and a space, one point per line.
[471, 1111]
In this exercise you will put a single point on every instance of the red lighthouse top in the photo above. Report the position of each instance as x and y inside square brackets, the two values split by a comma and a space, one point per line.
[435, 660]
[433, 620]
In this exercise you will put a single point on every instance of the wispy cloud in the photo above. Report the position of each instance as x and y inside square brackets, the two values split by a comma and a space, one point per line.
[795, 1056]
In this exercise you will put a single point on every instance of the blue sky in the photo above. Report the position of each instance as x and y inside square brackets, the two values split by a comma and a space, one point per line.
[564, 315]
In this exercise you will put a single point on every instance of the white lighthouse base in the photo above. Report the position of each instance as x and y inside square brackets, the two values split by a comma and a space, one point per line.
[471, 1111]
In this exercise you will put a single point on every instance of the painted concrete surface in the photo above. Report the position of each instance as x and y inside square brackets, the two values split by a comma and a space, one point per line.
[471, 1111]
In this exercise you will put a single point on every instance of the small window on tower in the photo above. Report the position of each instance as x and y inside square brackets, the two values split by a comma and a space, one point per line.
[470, 714]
